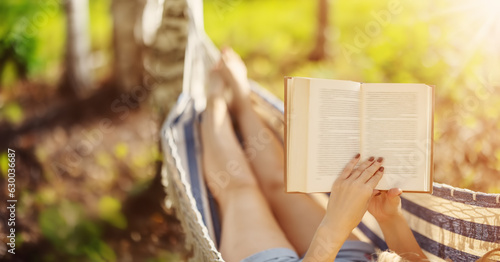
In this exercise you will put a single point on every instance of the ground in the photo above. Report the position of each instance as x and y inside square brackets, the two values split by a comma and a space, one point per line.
[87, 180]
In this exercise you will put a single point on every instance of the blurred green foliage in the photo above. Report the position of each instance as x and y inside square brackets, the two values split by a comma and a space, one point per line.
[4, 162]
[32, 39]
[269, 35]
[416, 44]
[72, 233]
[110, 211]
[12, 112]
[121, 150]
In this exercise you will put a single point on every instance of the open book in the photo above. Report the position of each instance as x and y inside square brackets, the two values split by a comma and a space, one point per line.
[327, 122]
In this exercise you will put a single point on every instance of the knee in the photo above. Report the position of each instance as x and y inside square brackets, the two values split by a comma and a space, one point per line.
[220, 190]
[228, 180]
[274, 183]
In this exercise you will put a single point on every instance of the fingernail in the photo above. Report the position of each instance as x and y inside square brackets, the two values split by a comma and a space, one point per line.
[357, 156]
[380, 159]
[400, 192]
[381, 169]
[371, 158]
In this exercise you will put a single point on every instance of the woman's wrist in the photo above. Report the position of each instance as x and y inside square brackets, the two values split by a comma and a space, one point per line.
[336, 228]
[326, 243]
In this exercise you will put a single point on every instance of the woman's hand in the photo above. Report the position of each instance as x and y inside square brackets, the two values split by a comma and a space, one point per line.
[386, 206]
[351, 193]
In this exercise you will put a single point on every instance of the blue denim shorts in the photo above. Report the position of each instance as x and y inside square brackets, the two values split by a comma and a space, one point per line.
[350, 251]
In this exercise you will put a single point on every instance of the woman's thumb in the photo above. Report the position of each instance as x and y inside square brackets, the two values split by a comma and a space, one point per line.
[394, 192]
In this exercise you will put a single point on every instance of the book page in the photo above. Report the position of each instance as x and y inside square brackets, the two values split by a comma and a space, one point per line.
[297, 119]
[334, 130]
[396, 125]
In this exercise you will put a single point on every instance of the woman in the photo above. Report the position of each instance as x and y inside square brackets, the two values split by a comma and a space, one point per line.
[260, 222]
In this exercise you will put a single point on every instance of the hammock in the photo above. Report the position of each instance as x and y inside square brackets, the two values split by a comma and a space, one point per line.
[452, 223]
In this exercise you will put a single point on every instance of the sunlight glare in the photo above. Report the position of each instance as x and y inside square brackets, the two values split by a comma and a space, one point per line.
[491, 7]
[473, 30]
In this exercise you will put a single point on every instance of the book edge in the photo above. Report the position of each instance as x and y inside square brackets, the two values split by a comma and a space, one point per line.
[285, 138]
[431, 182]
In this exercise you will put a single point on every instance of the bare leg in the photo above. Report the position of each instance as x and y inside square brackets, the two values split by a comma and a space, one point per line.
[248, 225]
[298, 215]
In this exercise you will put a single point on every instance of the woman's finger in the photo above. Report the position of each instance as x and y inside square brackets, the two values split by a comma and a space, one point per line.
[349, 167]
[362, 167]
[368, 173]
[373, 181]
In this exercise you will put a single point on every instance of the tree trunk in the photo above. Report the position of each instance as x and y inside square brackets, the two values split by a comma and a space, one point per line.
[77, 79]
[164, 58]
[319, 52]
[127, 67]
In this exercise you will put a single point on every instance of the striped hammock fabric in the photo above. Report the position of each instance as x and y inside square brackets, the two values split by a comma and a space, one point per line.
[452, 223]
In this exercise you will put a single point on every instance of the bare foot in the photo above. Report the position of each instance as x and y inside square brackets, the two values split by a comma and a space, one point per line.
[215, 83]
[225, 166]
[234, 72]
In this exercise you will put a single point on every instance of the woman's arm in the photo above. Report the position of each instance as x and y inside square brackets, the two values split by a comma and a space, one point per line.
[386, 208]
[400, 239]
[351, 194]
[326, 243]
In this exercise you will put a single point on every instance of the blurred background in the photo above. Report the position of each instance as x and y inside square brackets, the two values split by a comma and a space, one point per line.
[86, 84]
